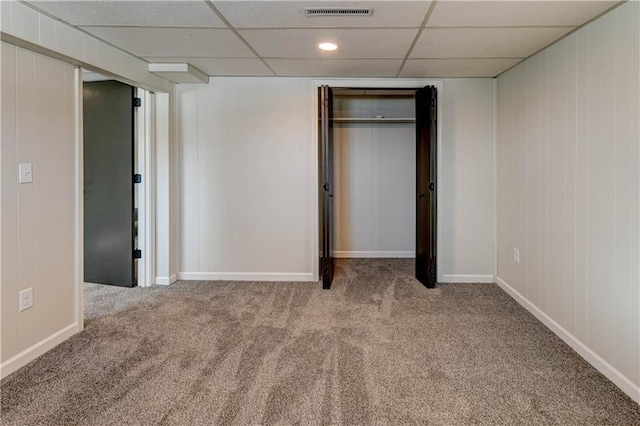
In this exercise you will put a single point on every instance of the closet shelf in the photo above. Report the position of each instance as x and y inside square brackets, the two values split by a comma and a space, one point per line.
[374, 120]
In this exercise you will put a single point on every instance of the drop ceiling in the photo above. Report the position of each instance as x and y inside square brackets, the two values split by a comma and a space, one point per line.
[442, 38]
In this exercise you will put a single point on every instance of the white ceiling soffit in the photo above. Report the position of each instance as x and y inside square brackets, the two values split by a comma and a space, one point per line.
[179, 73]
[221, 66]
[475, 38]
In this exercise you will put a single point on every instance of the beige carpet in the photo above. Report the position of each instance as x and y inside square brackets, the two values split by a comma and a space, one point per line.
[376, 349]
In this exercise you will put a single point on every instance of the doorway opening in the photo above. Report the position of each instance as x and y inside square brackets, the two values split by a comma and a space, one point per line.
[378, 176]
[115, 147]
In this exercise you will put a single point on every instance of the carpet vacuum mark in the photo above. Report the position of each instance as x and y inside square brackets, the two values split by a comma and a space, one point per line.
[378, 348]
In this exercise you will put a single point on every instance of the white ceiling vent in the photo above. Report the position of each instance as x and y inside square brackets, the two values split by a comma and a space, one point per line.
[337, 11]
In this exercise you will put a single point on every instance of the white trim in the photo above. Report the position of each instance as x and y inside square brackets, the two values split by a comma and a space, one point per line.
[374, 254]
[79, 201]
[495, 179]
[625, 384]
[23, 358]
[249, 276]
[163, 184]
[440, 216]
[484, 279]
[315, 224]
[381, 83]
[149, 181]
[166, 280]
[140, 190]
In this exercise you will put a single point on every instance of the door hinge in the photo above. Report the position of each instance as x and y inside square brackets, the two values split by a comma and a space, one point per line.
[326, 186]
[432, 186]
[137, 178]
[432, 270]
[137, 102]
[137, 254]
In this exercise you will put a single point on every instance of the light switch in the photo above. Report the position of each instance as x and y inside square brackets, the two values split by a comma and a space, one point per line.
[26, 174]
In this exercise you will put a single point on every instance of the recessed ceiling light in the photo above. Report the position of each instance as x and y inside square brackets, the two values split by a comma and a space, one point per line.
[328, 46]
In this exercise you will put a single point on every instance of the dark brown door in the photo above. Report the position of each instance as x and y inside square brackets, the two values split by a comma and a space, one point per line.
[108, 183]
[426, 185]
[325, 179]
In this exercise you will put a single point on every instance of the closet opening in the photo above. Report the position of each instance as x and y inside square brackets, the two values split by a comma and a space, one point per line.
[377, 175]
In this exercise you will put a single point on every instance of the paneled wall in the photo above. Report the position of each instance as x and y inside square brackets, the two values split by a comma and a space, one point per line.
[38, 218]
[568, 190]
[467, 181]
[248, 193]
[247, 179]
[375, 179]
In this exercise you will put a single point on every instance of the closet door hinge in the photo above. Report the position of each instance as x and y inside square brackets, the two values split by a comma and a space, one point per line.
[137, 254]
[137, 178]
[137, 102]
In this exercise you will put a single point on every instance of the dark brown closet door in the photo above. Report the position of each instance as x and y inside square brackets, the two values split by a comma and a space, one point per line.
[325, 179]
[426, 185]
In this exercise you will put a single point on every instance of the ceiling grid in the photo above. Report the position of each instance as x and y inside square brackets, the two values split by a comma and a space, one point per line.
[424, 39]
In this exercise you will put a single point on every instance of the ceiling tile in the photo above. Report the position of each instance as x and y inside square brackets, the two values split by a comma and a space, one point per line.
[515, 13]
[335, 67]
[202, 42]
[289, 14]
[456, 67]
[484, 42]
[352, 43]
[221, 66]
[133, 13]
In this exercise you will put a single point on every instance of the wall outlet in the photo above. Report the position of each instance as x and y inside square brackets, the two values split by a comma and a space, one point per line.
[516, 255]
[25, 299]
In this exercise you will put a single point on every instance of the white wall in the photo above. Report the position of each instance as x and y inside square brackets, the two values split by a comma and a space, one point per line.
[468, 175]
[38, 219]
[568, 190]
[374, 179]
[248, 179]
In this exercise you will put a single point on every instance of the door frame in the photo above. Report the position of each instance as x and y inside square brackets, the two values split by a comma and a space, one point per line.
[144, 162]
[148, 145]
[377, 83]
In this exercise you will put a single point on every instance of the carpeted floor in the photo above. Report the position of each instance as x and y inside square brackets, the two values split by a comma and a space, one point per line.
[376, 349]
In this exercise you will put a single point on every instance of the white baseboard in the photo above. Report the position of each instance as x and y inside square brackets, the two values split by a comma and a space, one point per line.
[374, 254]
[166, 280]
[467, 279]
[626, 385]
[33, 352]
[248, 276]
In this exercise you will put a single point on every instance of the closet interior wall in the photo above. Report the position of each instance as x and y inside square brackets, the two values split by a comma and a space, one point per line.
[374, 174]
